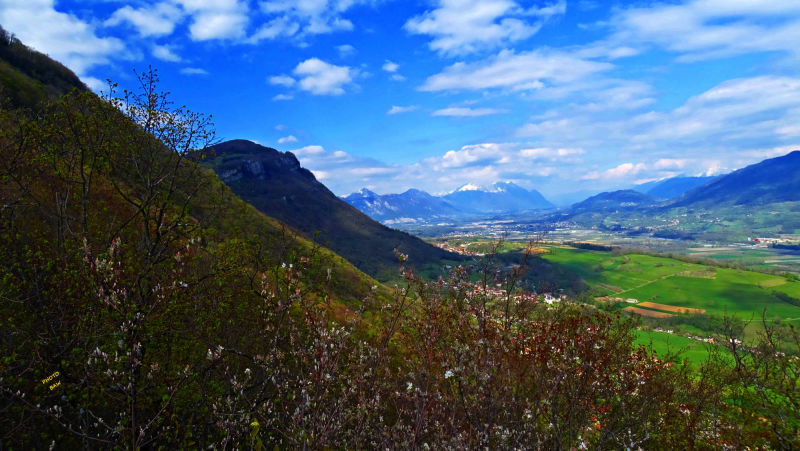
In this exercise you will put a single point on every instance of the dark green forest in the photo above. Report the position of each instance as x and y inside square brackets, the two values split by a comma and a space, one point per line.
[144, 305]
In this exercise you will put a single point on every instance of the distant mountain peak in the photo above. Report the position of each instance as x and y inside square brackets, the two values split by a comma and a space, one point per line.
[496, 187]
[468, 187]
[501, 196]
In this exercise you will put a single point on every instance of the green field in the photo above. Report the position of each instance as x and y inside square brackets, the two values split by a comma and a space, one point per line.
[693, 351]
[662, 280]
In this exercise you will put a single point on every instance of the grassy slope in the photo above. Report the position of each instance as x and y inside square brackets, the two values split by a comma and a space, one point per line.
[659, 279]
[693, 351]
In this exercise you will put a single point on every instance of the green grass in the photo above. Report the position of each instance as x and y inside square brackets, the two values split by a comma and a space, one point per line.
[693, 351]
[744, 294]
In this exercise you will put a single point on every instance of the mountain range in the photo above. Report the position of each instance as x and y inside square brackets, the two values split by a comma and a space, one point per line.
[501, 197]
[468, 200]
[397, 208]
[614, 201]
[745, 200]
[772, 180]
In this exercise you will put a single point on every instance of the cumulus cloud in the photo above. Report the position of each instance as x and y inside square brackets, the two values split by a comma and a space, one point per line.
[389, 66]
[321, 78]
[216, 19]
[459, 27]
[63, 36]
[402, 109]
[480, 164]
[165, 53]
[155, 20]
[475, 154]
[308, 150]
[467, 112]
[297, 19]
[287, 139]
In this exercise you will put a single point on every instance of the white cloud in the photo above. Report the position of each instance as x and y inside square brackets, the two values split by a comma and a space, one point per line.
[345, 50]
[553, 154]
[282, 80]
[297, 19]
[62, 36]
[670, 163]
[321, 78]
[95, 84]
[465, 26]
[165, 53]
[467, 112]
[480, 164]
[287, 139]
[216, 19]
[389, 66]
[157, 20]
[280, 97]
[275, 28]
[515, 71]
[624, 170]
[194, 71]
[475, 154]
[308, 150]
[706, 29]
[744, 111]
[402, 109]
[710, 132]
[735, 114]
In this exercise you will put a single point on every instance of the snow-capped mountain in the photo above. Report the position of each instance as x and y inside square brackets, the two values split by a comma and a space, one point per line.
[415, 205]
[409, 206]
[500, 197]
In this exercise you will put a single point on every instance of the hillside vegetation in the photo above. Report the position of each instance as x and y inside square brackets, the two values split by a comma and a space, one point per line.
[27, 77]
[144, 305]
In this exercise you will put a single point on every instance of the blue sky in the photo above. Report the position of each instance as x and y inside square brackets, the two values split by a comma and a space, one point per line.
[565, 96]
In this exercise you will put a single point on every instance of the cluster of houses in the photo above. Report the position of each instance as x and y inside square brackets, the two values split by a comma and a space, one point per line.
[768, 241]
[690, 336]
[463, 250]
[499, 293]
